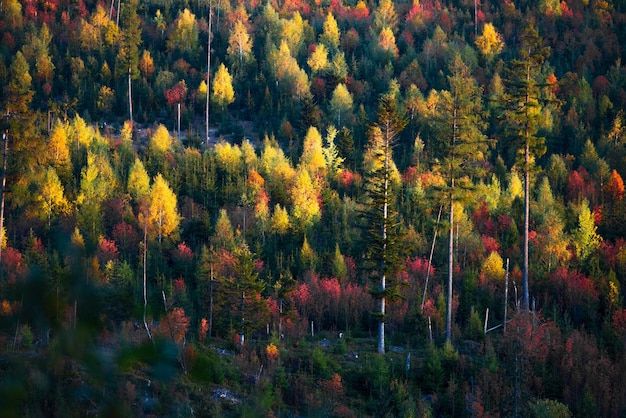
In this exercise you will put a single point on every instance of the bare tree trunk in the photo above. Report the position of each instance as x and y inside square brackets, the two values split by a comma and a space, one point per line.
[525, 305]
[211, 303]
[526, 297]
[130, 97]
[506, 293]
[145, 293]
[450, 271]
[430, 258]
[5, 153]
[383, 278]
[242, 334]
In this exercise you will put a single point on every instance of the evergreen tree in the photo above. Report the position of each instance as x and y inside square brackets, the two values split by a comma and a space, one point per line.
[384, 238]
[521, 116]
[130, 40]
[461, 146]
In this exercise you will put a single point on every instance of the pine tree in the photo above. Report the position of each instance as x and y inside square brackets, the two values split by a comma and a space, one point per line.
[130, 40]
[521, 114]
[383, 239]
[461, 147]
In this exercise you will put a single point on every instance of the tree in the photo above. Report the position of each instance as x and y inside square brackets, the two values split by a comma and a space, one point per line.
[294, 32]
[492, 269]
[18, 93]
[162, 216]
[340, 270]
[521, 114]
[312, 158]
[183, 34]
[146, 64]
[385, 16]
[291, 79]
[341, 102]
[387, 42]
[330, 33]
[239, 45]
[243, 291]
[160, 141]
[318, 61]
[106, 100]
[58, 153]
[461, 146]
[138, 181]
[128, 53]
[383, 237]
[490, 42]
[305, 198]
[223, 92]
[614, 189]
[586, 239]
[97, 184]
[331, 153]
[50, 197]
[224, 234]
[279, 222]
[44, 67]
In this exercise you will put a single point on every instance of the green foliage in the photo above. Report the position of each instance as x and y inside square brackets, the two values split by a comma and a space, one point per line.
[321, 364]
[314, 199]
[548, 408]
[207, 368]
[586, 239]
[432, 371]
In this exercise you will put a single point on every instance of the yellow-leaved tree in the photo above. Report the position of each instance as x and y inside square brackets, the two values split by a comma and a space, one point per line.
[279, 223]
[138, 181]
[50, 198]
[387, 42]
[223, 92]
[330, 33]
[318, 61]
[312, 158]
[58, 152]
[490, 43]
[183, 32]
[160, 141]
[492, 268]
[159, 218]
[239, 46]
[304, 196]
[162, 218]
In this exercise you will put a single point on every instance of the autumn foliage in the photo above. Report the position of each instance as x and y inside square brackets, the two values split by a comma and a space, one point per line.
[323, 145]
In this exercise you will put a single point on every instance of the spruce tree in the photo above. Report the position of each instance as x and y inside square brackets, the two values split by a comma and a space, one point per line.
[521, 105]
[383, 238]
[461, 147]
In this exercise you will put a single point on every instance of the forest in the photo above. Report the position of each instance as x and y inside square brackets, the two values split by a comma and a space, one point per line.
[325, 208]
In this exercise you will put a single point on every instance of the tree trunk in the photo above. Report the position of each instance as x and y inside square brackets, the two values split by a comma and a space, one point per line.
[383, 278]
[130, 97]
[5, 154]
[145, 293]
[525, 305]
[450, 269]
